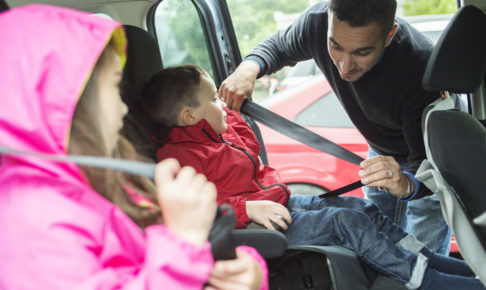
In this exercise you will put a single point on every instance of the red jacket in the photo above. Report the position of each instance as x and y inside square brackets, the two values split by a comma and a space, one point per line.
[229, 161]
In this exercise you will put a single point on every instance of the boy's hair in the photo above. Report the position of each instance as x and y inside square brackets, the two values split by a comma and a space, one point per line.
[168, 91]
[363, 12]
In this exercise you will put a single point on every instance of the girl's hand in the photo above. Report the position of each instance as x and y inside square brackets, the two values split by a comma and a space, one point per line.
[242, 273]
[265, 212]
[187, 200]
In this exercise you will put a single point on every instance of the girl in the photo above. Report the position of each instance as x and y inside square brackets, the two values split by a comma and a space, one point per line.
[66, 226]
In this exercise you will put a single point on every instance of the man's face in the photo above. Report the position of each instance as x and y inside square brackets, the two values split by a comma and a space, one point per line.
[355, 50]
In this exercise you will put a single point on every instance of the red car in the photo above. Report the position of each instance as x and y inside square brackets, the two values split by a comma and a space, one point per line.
[314, 105]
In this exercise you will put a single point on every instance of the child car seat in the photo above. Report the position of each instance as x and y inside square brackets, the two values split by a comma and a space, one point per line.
[455, 168]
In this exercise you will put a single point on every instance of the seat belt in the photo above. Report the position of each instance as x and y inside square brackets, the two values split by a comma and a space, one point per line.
[305, 136]
[144, 169]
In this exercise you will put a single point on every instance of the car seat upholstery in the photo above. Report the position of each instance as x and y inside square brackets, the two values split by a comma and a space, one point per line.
[455, 167]
[345, 269]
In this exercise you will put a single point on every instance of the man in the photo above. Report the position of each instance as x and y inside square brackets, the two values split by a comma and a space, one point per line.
[375, 66]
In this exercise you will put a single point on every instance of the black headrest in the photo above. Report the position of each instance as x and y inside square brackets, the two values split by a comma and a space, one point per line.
[143, 61]
[3, 5]
[458, 61]
[458, 144]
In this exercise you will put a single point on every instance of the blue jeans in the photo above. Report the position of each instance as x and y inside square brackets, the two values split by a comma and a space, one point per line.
[422, 217]
[356, 224]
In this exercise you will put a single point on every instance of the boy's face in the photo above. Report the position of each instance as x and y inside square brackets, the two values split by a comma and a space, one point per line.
[211, 108]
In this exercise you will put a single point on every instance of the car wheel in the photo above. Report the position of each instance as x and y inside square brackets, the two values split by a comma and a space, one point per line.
[305, 189]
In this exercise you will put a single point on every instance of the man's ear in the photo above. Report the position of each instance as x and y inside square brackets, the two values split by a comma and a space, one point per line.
[391, 34]
[186, 116]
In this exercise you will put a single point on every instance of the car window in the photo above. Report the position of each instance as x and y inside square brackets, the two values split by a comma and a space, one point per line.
[253, 21]
[303, 69]
[181, 42]
[327, 111]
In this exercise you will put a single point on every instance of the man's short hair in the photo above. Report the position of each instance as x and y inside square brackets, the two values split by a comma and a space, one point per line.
[363, 12]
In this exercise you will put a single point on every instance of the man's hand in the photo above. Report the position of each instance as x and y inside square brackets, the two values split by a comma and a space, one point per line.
[384, 171]
[239, 85]
[265, 212]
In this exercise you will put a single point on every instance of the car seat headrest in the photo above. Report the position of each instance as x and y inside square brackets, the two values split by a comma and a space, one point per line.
[3, 6]
[458, 145]
[143, 61]
[458, 62]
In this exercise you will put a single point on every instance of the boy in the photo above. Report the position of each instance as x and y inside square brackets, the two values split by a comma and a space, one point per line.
[202, 133]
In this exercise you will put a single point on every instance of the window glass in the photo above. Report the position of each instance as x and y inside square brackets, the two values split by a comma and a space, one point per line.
[181, 42]
[325, 112]
[253, 21]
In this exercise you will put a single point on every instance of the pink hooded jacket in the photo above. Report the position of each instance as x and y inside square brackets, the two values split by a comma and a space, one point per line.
[56, 231]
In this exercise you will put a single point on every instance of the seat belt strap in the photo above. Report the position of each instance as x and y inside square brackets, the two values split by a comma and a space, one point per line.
[343, 189]
[144, 169]
[303, 135]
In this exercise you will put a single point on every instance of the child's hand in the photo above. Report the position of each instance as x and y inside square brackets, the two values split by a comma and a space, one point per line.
[264, 212]
[187, 200]
[242, 273]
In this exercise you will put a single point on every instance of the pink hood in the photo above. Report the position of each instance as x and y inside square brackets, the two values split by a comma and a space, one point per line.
[47, 56]
[57, 233]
